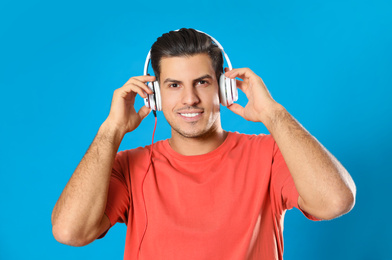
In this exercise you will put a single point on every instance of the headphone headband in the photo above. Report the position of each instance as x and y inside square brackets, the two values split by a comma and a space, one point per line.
[212, 38]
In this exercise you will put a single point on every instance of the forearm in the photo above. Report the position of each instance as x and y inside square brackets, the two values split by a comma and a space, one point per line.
[80, 208]
[326, 189]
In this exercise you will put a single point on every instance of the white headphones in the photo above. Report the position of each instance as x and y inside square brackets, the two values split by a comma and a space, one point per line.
[228, 92]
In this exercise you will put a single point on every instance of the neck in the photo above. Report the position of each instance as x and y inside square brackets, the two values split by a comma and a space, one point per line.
[197, 145]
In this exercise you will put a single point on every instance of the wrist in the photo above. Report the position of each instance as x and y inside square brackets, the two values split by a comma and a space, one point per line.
[112, 132]
[273, 115]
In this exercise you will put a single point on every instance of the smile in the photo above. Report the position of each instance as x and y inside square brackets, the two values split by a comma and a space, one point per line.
[190, 114]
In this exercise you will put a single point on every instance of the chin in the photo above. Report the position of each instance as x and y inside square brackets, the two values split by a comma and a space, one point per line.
[195, 133]
[192, 134]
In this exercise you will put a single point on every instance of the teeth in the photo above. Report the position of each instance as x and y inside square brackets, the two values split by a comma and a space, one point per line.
[190, 114]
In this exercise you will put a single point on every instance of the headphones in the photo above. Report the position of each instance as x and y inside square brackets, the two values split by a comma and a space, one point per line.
[228, 92]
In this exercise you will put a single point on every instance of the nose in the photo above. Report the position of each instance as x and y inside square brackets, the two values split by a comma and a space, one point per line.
[190, 96]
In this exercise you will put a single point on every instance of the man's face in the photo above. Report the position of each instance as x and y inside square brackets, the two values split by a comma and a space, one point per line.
[190, 99]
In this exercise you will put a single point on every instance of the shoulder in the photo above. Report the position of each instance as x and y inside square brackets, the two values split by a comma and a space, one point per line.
[262, 139]
[132, 160]
[139, 153]
[252, 144]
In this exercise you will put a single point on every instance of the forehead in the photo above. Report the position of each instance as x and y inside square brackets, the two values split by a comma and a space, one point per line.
[186, 67]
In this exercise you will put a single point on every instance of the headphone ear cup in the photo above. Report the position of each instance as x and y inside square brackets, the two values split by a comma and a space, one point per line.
[149, 101]
[158, 99]
[234, 89]
[229, 92]
[222, 90]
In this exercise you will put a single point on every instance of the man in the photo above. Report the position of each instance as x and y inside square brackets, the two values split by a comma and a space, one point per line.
[204, 193]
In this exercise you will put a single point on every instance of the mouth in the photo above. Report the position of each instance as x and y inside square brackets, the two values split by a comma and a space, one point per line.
[191, 115]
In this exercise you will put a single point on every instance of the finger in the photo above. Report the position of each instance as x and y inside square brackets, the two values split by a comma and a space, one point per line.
[143, 112]
[130, 90]
[141, 81]
[235, 73]
[140, 91]
[144, 78]
[240, 84]
[137, 86]
[141, 85]
[237, 109]
[241, 73]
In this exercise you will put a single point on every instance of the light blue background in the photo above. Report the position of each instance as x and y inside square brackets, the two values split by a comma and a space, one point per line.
[328, 62]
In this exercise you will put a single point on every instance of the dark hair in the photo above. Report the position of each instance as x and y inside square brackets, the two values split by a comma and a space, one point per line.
[185, 42]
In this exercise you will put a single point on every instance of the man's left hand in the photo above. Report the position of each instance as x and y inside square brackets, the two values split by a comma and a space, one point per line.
[260, 103]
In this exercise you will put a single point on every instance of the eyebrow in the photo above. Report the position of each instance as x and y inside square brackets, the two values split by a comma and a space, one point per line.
[207, 76]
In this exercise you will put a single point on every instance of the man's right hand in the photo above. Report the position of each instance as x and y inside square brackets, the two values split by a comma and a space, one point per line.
[123, 116]
[79, 217]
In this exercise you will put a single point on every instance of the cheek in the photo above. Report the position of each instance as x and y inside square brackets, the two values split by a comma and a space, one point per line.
[217, 105]
[216, 99]
[167, 100]
[211, 101]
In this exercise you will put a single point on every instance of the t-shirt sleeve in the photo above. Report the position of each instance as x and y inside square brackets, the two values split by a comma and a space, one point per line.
[117, 205]
[284, 190]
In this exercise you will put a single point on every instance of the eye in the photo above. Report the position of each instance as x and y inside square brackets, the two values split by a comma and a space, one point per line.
[174, 85]
[203, 82]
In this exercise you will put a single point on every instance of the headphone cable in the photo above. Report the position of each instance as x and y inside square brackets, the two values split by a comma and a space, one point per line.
[145, 175]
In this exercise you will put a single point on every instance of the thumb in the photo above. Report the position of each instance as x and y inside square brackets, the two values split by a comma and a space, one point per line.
[237, 109]
[143, 112]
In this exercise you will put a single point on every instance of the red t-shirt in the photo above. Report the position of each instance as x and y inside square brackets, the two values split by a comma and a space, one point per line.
[226, 204]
